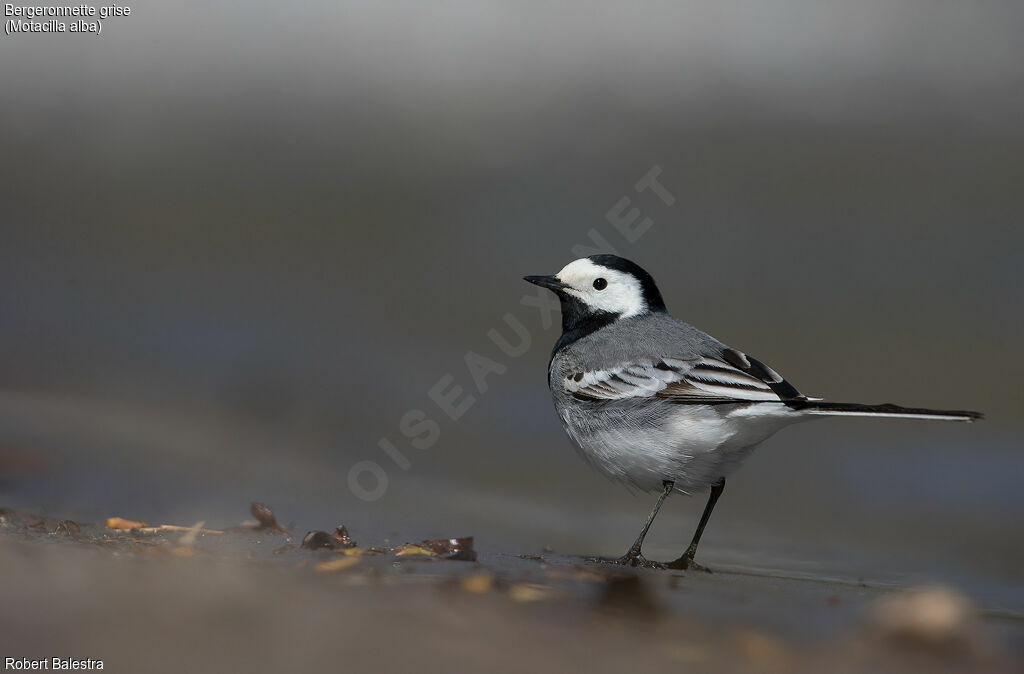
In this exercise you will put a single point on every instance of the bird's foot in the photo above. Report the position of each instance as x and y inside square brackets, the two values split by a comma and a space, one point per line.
[631, 558]
[686, 563]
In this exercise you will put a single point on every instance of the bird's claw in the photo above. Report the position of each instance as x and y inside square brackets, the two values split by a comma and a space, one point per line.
[686, 564]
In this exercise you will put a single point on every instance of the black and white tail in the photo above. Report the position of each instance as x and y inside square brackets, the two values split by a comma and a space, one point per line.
[823, 408]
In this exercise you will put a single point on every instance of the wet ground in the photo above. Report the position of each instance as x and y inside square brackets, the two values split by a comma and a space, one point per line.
[166, 599]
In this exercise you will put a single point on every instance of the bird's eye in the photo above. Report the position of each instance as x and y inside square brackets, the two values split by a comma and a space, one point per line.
[600, 284]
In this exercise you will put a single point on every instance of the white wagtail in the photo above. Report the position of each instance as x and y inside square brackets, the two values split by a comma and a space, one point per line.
[656, 403]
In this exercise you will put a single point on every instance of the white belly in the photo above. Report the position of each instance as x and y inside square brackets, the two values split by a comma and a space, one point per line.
[691, 445]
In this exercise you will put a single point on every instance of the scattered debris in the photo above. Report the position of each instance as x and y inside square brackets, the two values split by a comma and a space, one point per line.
[175, 527]
[265, 519]
[319, 540]
[925, 627]
[341, 533]
[67, 528]
[120, 523]
[460, 549]
[188, 539]
[49, 525]
[339, 564]
[480, 583]
[927, 618]
[528, 592]
[339, 540]
[359, 552]
[410, 549]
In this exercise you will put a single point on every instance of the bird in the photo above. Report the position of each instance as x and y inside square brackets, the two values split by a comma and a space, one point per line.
[655, 403]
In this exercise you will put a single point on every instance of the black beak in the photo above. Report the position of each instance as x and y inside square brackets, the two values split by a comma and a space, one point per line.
[549, 282]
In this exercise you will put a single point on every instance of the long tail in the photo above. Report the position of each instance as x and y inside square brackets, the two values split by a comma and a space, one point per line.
[823, 408]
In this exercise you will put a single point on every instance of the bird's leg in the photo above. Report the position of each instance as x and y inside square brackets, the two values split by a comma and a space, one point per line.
[686, 561]
[633, 557]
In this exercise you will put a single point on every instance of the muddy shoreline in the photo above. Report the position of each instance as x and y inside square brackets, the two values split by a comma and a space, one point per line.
[163, 599]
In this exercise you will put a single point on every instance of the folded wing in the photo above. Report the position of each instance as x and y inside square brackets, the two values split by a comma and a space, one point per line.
[728, 377]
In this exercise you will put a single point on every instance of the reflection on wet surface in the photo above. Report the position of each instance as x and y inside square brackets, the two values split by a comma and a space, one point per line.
[731, 619]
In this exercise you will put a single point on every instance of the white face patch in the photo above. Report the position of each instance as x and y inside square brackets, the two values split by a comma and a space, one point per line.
[623, 294]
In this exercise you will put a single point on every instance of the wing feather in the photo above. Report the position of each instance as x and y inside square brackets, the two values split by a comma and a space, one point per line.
[733, 377]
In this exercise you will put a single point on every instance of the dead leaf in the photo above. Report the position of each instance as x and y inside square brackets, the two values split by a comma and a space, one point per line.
[265, 519]
[359, 552]
[410, 549]
[177, 527]
[121, 524]
[460, 549]
[339, 564]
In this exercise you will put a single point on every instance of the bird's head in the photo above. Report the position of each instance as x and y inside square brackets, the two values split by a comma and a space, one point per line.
[605, 287]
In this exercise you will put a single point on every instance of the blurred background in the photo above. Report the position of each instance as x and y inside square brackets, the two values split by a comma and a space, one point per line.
[239, 246]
